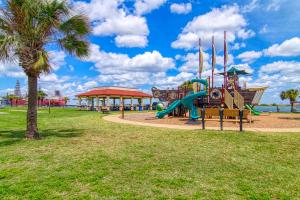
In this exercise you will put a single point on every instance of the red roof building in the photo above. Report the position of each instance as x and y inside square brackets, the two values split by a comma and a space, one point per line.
[102, 96]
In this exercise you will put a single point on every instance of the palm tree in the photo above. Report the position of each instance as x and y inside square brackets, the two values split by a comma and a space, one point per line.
[41, 96]
[27, 29]
[11, 97]
[186, 85]
[66, 99]
[290, 94]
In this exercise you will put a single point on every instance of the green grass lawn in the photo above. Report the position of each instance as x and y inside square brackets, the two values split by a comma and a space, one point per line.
[82, 156]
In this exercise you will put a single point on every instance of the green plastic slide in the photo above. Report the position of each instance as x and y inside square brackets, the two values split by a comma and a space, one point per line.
[253, 111]
[172, 106]
[187, 101]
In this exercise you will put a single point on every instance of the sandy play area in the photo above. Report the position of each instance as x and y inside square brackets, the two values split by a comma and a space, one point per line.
[273, 120]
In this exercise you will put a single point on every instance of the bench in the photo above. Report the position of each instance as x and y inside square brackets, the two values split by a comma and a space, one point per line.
[228, 113]
[104, 110]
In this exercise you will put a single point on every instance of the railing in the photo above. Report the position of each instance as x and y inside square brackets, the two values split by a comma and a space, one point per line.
[238, 100]
[228, 99]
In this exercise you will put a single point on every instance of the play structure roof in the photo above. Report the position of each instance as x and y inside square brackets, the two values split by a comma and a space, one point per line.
[114, 91]
[234, 70]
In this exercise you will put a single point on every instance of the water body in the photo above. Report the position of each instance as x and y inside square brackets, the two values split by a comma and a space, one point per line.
[274, 108]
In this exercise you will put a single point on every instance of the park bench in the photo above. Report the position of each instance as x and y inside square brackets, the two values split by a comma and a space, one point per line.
[105, 110]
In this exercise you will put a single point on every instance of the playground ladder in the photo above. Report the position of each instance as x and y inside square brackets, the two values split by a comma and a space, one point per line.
[228, 99]
[238, 100]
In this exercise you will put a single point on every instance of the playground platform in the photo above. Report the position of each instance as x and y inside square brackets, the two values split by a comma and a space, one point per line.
[274, 122]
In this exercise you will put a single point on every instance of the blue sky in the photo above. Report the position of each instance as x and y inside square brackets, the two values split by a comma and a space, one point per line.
[145, 43]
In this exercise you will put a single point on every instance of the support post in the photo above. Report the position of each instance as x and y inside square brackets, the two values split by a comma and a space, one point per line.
[80, 101]
[131, 103]
[150, 107]
[221, 118]
[121, 103]
[203, 117]
[108, 102]
[92, 104]
[241, 112]
[123, 109]
[88, 103]
[97, 104]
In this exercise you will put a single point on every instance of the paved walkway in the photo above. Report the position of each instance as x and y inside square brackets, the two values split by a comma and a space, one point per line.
[117, 119]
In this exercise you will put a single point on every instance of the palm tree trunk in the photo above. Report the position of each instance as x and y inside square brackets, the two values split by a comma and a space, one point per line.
[292, 106]
[32, 131]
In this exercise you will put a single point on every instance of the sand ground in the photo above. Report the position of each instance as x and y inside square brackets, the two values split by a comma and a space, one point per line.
[274, 122]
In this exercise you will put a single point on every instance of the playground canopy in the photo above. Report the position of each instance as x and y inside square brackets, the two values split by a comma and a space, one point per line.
[103, 95]
[235, 71]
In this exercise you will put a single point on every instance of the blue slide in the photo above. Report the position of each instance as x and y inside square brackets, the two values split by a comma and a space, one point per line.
[187, 101]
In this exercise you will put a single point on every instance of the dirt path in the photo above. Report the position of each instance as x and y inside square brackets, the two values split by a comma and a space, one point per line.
[270, 123]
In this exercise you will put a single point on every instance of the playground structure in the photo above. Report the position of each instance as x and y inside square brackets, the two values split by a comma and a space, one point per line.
[230, 96]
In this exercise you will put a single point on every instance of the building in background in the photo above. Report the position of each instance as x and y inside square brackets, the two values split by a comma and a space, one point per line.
[18, 92]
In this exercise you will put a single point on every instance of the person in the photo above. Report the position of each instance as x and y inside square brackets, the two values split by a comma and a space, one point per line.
[277, 107]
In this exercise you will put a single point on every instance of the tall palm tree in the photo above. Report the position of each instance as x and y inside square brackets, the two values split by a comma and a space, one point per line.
[292, 95]
[27, 29]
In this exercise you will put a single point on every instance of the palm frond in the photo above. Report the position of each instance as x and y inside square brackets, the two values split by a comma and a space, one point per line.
[75, 46]
[42, 63]
[8, 45]
[77, 24]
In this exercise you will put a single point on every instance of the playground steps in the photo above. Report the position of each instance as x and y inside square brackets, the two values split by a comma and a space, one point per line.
[238, 100]
[228, 100]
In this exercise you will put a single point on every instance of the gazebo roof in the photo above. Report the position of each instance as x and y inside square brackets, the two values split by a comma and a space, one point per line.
[114, 91]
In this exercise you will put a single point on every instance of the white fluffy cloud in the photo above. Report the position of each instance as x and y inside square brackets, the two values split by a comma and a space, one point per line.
[291, 68]
[249, 56]
[147, 69]
[113, 63]
[119, 69]
[131, 41]
[274, 5]
[57, 59]
[86, 86]
[111, 18]
[191, 62]
[279, 76]
[11, 70]
[181, 8]
[146, 6]
[214, 23]
[251, 6]
[289, 47]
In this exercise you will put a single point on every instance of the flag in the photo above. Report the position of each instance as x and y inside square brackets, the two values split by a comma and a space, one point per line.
[225, 50]
[213, 61]
[225, 60]
[213, 54]
[200, 59]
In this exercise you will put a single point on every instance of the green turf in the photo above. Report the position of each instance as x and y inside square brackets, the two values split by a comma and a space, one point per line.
[83, 157]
